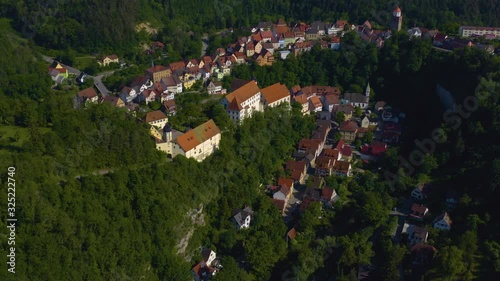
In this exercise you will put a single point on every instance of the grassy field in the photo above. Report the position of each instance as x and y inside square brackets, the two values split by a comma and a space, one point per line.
[83, 61]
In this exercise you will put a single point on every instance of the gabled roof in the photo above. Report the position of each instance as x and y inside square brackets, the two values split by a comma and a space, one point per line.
[139, 81]
[315, 102]
[341, 166]
[177, 65]
[275, 92]
[111, 57]
[302, 99]
[87, 93]
[198, 135]
[329, 152]
[332, 99]
[445, 217]
[155, 116]
[417, 208]
[266, 34]
[324, 162]
[356, 98]
[328, 193]
[206, 59]
[171, 81]
[235, 105]
[285, 182]
[157, 68]
[309, 145]
[169, 104]
[292, 165]
[244, 92]
[241, 215]
[280, 204]
[348, 126]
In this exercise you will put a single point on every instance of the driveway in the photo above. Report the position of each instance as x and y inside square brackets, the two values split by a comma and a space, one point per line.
[97, 79]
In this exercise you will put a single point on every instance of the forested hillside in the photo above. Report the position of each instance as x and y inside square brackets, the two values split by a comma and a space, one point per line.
[126, 225]
[90, 26]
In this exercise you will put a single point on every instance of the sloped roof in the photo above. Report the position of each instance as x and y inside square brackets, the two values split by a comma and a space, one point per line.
[88, 93]
[157, 68]
[285, 182]
[355, 97]
[329, 152]
[244, 92]
[275, 92]
[348, 126]
[241, 215]
[302, 99]
[444, 216]
[198, 135]
[342, 166]
[280, 204]
[315, 102]
[295, 166]
[155, 116]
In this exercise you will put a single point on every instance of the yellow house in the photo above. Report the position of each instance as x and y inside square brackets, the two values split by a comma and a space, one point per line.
[188, 83]
[157, 72]
[108, 59]
[63, 71]
[154, 132]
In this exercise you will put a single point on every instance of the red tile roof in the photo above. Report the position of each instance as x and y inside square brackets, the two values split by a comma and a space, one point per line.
[155, 116]
[88, 93]
[285, 182]
[292, 233]
[244, 92]
[281, 204]
[275, 92]
[418, 208]
[157, 68]
[198, 135]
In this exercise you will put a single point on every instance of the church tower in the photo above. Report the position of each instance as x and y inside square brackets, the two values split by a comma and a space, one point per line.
[167, 133]
[367, 91]
[397, 19]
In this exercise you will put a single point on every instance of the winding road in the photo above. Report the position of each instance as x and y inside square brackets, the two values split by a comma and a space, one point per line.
[97, 79]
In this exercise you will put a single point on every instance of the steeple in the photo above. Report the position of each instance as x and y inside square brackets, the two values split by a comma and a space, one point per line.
[367, 91]
[167, 133]
[397, 19]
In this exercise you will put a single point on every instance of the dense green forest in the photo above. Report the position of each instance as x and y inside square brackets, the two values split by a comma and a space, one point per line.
[73, 225]
[97, 26]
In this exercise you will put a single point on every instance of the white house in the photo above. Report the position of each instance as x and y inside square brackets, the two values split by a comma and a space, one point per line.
[416, 234]
[172, 84]
[208, 256]
[243, 218]
[284, 54]
[242, 102]
[87, 95]
[198, 143]
[275, 95]
[442, 222]
[156, 118]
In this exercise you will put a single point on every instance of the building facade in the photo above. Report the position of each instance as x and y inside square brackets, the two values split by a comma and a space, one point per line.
[466, 31]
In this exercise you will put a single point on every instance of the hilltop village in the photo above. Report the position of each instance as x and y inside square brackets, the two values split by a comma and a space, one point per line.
[353, 130]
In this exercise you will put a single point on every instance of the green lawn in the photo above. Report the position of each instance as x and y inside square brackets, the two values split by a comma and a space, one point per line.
[83, 61]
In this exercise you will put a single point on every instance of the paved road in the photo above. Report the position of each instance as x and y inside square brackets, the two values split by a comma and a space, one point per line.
[204, 44]
[71, 70]
[97, 79]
